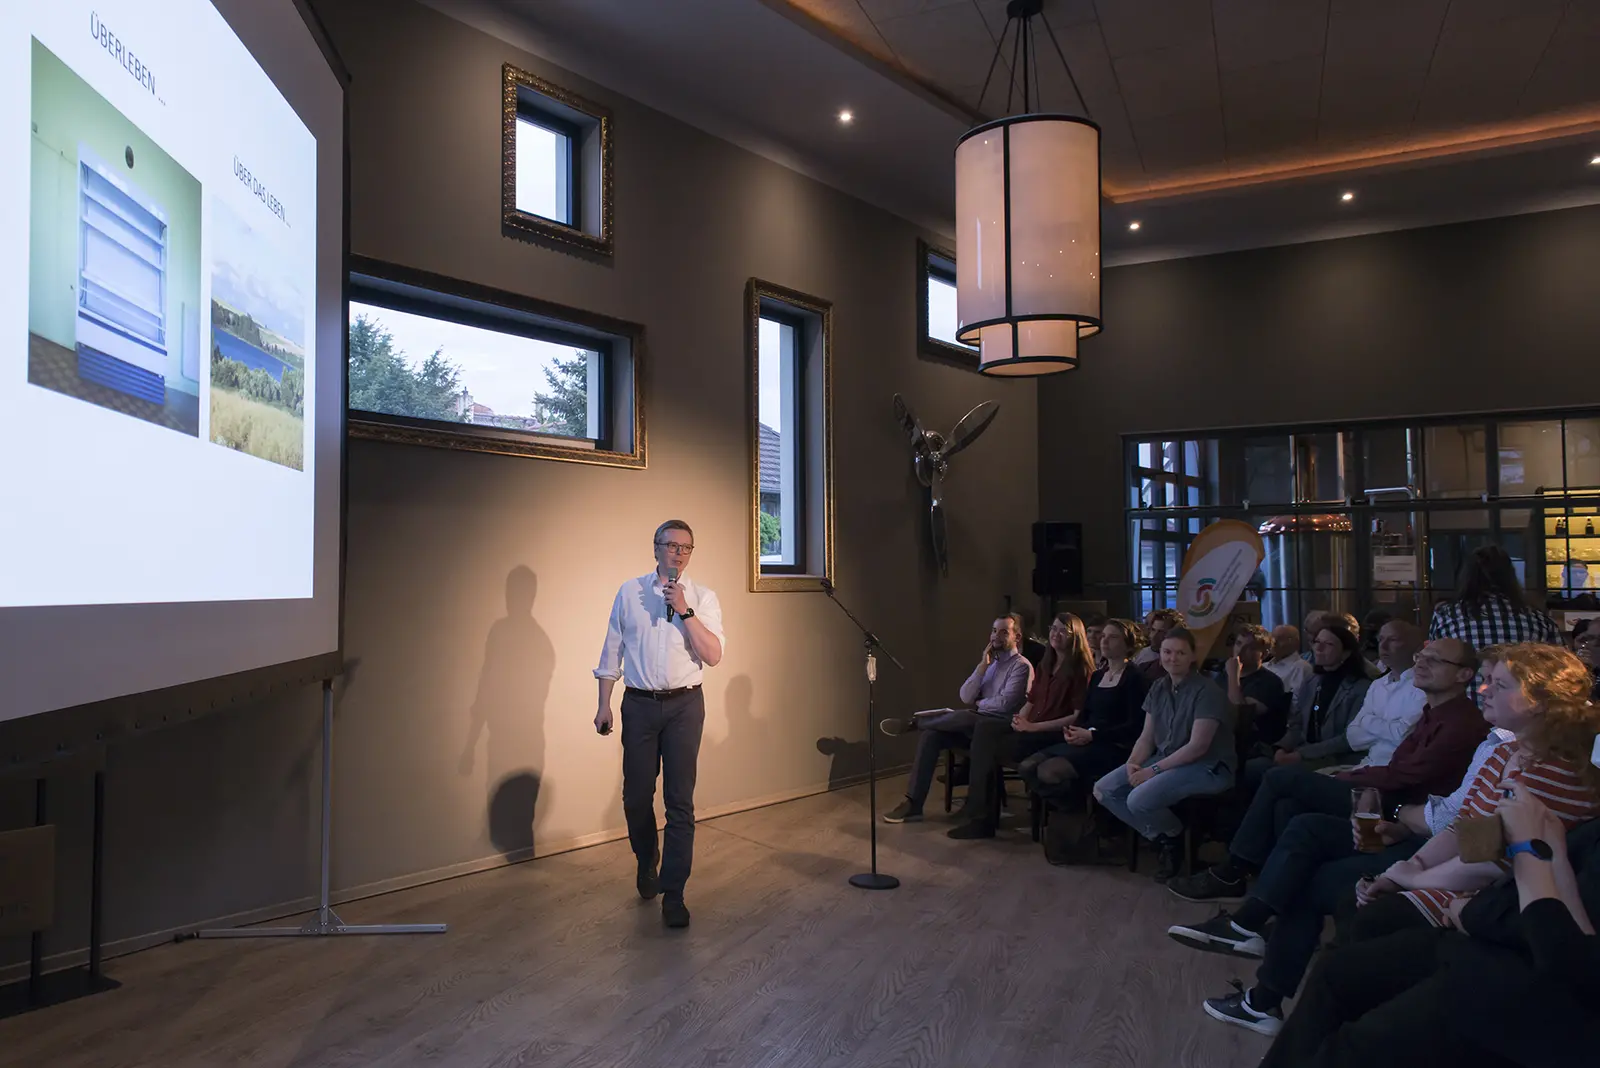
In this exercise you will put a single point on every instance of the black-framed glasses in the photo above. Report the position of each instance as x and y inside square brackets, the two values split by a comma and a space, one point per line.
[1435, 658]
[676, 548]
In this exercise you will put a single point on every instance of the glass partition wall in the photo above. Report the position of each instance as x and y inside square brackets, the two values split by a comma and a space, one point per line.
[1374, 516]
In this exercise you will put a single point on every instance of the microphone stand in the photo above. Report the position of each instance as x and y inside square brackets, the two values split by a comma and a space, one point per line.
[869, 880]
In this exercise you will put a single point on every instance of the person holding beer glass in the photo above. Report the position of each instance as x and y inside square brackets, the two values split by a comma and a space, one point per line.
[1312, 865]
[1518, 985]
[1541, 694]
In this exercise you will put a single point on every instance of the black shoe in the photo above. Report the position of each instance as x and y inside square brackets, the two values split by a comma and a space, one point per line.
[1208, 886]
[1169, 856]
[1220, 934]
[897, 726]
[904, 812]
[971, 829]
[674, 913]
[1237, 1010]
[647, 881]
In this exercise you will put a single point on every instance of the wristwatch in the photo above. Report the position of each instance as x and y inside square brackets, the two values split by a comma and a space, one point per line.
[1156, 767]
[1537, 846]
[687, 613]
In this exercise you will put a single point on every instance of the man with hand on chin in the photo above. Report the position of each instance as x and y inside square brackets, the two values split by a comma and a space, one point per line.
[663, 632]
[996, 690]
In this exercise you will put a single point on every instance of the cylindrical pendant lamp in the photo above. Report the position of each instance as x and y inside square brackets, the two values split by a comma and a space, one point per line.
[1028, 241]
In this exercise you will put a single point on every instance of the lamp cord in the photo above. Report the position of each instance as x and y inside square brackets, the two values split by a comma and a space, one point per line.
[1024, 48]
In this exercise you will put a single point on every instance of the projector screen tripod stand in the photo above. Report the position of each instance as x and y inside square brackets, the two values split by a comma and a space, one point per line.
[325, 921]
[873, 879]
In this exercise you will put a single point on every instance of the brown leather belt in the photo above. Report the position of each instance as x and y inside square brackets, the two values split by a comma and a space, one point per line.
[661, 695]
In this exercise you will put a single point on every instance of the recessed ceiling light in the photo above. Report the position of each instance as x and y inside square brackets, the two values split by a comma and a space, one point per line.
[1133, 225]
[1347, 197]
[846, 117]
[1595, 162]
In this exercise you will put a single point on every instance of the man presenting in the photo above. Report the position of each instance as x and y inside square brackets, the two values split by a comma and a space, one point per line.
[664, 630]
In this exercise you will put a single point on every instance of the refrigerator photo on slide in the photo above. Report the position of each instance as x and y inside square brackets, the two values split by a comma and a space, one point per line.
[122, 284]
[113, 258]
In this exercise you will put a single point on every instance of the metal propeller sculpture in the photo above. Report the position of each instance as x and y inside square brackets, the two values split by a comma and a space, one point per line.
[930, 458]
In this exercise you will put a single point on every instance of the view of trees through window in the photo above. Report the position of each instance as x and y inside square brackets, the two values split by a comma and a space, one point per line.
[424, 368]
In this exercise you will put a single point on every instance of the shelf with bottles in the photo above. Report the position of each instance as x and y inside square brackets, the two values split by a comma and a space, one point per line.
[1572, 550]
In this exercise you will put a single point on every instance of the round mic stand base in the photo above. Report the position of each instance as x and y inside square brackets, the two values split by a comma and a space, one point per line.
[869, 880]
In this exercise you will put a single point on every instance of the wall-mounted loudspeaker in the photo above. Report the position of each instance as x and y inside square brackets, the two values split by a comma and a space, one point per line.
[1058, 559]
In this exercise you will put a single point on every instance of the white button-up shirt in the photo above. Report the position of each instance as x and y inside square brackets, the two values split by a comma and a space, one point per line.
[1391, 708]
[642, 648]
[1292, 670]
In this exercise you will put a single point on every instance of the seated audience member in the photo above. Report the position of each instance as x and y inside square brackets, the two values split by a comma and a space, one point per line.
[1392, 704]
[1431, 760]
[1517, 985]
[1054, 699]
[1371, 627]
[1324, 706]
[1099, 738]
[1541, 694]
[1156, 626]
[996, 690]
[1286, 662]
[1260, 702]
[1490, 608]
[1586, 644]
[1185, 749]
[1316, 619]
[1317, 857]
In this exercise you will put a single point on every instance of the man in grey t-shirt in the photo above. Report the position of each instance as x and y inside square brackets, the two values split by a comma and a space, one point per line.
[1186, 748]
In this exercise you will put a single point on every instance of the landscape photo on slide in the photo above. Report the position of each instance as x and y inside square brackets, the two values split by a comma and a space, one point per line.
[113, 258]
[258, 332]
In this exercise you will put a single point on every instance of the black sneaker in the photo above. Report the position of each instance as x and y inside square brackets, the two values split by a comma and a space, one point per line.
[674, 913]
[904, 812]
[647, 880]
[1236, 1009]
[971, 829]
[1169, 856]
[896, 727]
[1220, 934]
[1208, 886]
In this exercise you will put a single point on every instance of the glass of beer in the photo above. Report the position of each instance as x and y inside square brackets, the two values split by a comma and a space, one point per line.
[1366, 811]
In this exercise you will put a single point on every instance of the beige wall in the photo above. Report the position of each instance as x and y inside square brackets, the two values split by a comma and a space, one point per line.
[220, 817]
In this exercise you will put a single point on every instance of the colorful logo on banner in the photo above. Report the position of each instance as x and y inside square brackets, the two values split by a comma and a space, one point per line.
[1216, 569]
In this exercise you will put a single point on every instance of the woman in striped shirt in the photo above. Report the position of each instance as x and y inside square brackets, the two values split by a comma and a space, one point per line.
[1541, 694]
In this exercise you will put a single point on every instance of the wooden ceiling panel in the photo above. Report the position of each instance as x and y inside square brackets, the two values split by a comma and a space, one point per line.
[1062, 14]
[1481, 68]
[1290, 90]
[1250, 33]
[1135, 26]
[950, 45]
[847, 19]
[1184, 142]
[1169, 80]
[1244, 87]
[894, 9]
[1568, 76]
[1254, 144]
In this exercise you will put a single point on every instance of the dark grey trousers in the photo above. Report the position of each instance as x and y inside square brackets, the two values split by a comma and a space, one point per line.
[662, 737]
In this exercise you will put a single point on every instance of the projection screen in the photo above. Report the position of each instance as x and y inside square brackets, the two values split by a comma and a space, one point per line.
[172, 363]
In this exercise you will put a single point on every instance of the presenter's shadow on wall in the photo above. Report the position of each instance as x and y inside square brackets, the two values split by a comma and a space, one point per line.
[507, 718]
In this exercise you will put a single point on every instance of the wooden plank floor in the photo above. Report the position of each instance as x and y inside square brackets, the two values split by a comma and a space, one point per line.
[986, 956]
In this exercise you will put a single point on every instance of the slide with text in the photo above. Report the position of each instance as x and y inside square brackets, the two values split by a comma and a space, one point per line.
[157, 286]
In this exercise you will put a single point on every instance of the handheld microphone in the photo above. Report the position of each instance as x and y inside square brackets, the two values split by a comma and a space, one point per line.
[672, 576]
